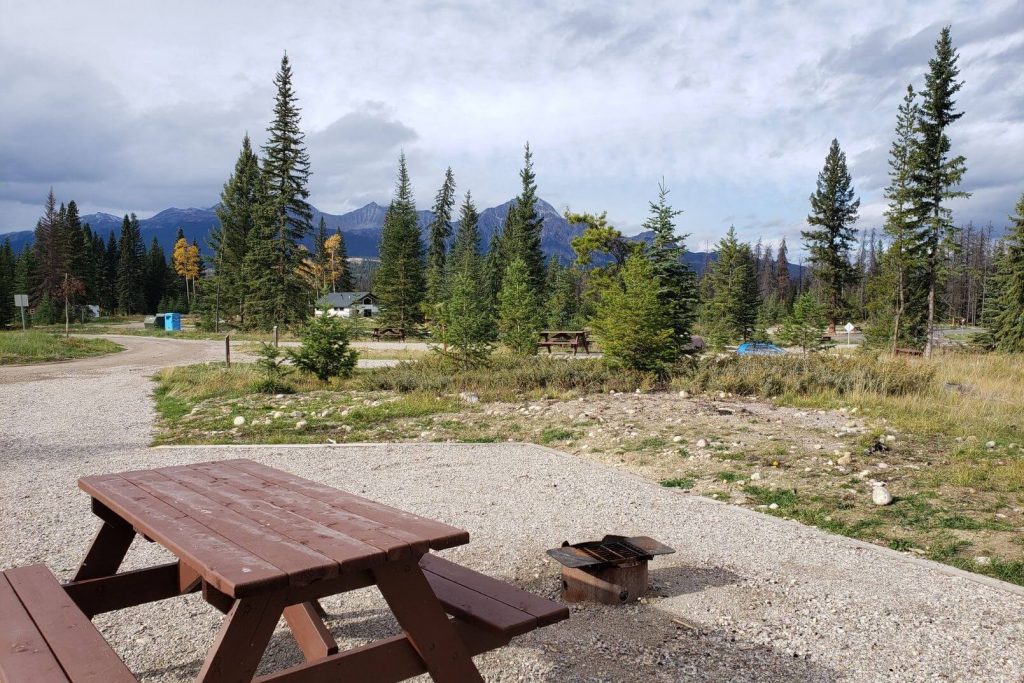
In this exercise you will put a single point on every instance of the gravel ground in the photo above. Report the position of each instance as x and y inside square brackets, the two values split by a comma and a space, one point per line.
[762, 599]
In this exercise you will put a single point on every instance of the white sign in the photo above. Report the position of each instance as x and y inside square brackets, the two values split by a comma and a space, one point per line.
[21, 300]
[848, 328]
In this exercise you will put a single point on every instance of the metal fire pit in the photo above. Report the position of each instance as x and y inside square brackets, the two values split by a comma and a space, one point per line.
[612, 570]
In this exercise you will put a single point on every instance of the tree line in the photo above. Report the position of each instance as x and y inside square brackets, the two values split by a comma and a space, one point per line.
[900, 281]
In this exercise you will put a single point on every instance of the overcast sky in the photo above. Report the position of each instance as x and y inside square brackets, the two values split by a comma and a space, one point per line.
[139, 106]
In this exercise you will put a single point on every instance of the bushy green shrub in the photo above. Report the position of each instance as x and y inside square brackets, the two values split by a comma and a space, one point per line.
[270, 362]
[324, 352]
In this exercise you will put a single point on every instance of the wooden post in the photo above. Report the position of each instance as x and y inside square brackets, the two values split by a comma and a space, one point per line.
[227, 349]
[275, 335]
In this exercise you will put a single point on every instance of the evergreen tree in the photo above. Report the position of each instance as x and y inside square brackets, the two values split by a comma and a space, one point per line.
[129, 268]
[237, 215]
[155, 277]
[805, 326]
[320, 256]
[399, 282]
[562, 307]
[631, 320]
[7, 308]
[277, 294]
[108, 285]
[731, 298]
[782, 282]
[935, 174]
[833, 213]
[521, 236]
[677, 285]
[466, 320]
[1008, 321]
[440, 231]
[519, 313]
[49, 247]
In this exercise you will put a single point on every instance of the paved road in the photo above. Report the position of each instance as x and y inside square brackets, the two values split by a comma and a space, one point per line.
[746, 597]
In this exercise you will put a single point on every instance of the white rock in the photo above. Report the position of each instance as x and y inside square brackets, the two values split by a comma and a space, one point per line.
[677, 439]
[880, 494]
[278, 414]
[983, 560]
[818, 446]
[239, 421]
[755, 476]
[301, 424]
[890, 438]
[845, 459]
[702, 443]
[990, 444]
[864, 474]
[684, 394]
[469, 397]
[773, 506]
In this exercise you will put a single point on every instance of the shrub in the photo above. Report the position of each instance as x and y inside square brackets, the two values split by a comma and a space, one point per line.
[805, 326]
[324, 352]
[271, 364]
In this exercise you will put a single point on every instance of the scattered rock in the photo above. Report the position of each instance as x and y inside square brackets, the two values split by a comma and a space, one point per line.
[469, 397]
[702, 443]
[677, 439]
[990, 444]
[845, 459]
[278, 414]
[880, 494]
[983, 560]
[238, 421]
[301, 424]
[864, 474]
[684, 394]
[773, 506]
[755, 476]
[818, 446]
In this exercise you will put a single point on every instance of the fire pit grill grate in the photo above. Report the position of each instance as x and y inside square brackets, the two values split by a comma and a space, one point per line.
[612, 570]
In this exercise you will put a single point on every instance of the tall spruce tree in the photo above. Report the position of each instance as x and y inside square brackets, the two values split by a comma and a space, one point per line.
[935, 173]
[677, 285]
[731, 299]
[7, 311]
[519, 309]
[1008, 321]
[49, 250]
[782, 281]
[521, 237]
[155, 276]
[399, 282]
[833, 213]
[440, 231]
[237, 214]
[108, 284]
[277, 293]
[130, 298]
[467, 320]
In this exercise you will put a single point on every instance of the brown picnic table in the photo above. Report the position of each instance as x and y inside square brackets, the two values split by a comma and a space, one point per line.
[380, 333]
[574, 339]
[260, 543]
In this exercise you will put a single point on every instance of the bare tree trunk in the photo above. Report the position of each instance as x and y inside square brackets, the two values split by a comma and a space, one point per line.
[899, 314]
[931, 318]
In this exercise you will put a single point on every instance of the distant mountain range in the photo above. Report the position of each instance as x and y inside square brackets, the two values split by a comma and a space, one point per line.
[361, 229]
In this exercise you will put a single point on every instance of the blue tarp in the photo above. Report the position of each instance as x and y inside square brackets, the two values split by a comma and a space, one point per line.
[758, 349]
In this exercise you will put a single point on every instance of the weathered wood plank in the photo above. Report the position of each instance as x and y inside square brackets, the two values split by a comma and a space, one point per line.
[25, 656]
[127, 589]
[230, 568]
[480, 609]
[78, 647]
[302, 564]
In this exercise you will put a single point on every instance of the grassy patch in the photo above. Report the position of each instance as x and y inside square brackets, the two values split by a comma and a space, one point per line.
[554, 434]
[766, 496]
[684, 483]
[34, 346]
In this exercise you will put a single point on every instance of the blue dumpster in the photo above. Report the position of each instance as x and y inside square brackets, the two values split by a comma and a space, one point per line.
[172, 322]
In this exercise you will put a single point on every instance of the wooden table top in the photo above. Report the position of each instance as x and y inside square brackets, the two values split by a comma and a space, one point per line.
[247, 528]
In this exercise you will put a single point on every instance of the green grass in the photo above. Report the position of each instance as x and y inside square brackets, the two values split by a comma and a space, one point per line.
[34, 346]
[554, 434]
[684, 483]
[727, 476]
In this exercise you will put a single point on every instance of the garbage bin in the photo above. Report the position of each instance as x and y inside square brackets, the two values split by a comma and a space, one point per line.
[150, 321]
[172, 322]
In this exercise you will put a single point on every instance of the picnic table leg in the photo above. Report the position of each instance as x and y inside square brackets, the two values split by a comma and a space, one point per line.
[107, 551]
[242, 640]
[309, 630]
[425, 623]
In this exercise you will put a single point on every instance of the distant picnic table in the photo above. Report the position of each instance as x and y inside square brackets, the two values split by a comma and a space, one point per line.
[259, 543]
[574, 339]
[392, 332]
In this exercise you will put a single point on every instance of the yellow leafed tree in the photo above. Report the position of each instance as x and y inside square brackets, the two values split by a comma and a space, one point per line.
[186, 264]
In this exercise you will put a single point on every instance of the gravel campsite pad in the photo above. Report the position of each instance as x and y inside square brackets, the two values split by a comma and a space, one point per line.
[745, 597]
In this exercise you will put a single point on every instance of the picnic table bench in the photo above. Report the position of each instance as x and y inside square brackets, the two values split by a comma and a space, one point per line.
[259, 543]
[392, 332]
[574, 339]
[907, 352]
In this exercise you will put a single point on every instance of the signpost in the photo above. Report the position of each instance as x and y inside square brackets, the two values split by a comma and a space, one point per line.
[849, 329]
[21, 301]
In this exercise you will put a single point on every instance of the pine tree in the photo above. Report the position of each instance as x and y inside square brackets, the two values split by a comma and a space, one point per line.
[7, 308]
[108, 288]
[782, 281]
[276, 291]
[1008, 321]
[237, 215]
[466, 320]
[399, 283]
[805, 326]
[631, 320]
[519, 312]
[731, 298]
[562, 307]
[49, 249]
[129, 267]
[521, 237]
[155, 276]
[935, 174]
[677, 285]
[833, 213]
[440, 231]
